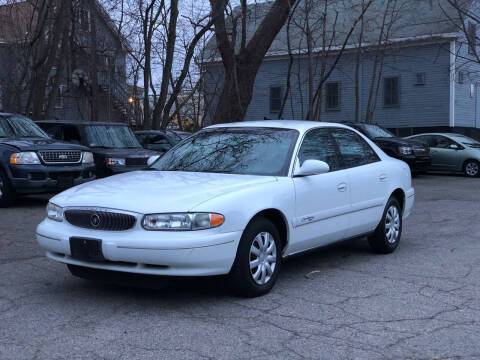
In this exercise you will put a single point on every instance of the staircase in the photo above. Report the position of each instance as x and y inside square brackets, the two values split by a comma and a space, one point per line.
[112, 88]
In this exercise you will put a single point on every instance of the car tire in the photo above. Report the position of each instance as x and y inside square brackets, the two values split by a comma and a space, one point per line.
[388, 233]
[260, 245]
[471, 168]
[7, 193]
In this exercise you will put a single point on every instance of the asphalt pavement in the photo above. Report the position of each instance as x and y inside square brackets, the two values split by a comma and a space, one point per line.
[340, 302]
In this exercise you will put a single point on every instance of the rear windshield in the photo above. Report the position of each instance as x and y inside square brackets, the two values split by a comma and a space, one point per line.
[19, 127]
[111, 136]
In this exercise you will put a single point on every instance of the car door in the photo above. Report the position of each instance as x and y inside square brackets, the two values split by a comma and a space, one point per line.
[368, 178]
[443, 156]
[322, 201]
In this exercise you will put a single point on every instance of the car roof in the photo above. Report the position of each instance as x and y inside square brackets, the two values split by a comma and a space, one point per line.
[300, 125]
[151, 131]
[441, 134]
[83, 123]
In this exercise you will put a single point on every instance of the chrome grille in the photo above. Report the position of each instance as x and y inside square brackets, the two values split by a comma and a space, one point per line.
[61, 157]
[100, 220]
[420, 150]
[138, 161]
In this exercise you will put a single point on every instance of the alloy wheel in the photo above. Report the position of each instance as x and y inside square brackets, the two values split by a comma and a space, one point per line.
[263, 258]
[392, 224]
[471, 169]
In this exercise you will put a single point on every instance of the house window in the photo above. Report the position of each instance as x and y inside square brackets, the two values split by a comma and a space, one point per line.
[472, 38]
[461, 77]
[84, 19]
[333, 96]
[472, 90]
[275, 99]
[391, 92]
[59, 99]
[420, 79]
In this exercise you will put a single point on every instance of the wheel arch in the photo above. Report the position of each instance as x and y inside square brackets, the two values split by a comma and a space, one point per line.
[399, 194]
[277, 217]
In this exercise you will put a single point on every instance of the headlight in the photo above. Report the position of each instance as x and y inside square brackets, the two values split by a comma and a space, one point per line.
[24, 158]
[115, 161]
[54, 212]
[87, 157]
[405, 150]
[182, 221]
[152, 159]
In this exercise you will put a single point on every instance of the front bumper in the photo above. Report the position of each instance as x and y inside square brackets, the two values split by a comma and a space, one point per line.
[180, 253]
[417, 163]
[29, 179]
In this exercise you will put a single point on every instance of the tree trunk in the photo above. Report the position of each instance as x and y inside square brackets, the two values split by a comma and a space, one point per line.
[241, 69]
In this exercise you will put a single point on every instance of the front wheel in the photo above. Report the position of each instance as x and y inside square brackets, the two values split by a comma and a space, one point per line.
[386, 237]
[258, 259]
[471, 168]
[7, 193]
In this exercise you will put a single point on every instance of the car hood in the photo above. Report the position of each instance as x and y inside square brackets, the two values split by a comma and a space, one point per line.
[123, 153]
[41, 144]
[156, 191]
[397, 141]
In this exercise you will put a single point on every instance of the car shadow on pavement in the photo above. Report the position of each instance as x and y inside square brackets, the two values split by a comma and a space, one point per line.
[144, 288]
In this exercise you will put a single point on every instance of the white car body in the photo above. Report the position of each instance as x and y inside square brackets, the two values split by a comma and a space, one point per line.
[316, 210]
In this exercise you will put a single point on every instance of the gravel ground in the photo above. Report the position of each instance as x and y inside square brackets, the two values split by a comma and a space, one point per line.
[339, 302]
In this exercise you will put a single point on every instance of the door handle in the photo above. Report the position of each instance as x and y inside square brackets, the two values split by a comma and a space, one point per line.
[342, 187]
[383, 177]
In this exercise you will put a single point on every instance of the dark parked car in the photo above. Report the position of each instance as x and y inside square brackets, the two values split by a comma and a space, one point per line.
[31, 162]
[415, 153]
[114, 146]
[160, 140]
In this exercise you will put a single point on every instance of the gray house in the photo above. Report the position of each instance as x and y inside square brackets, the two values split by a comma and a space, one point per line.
[410, 60]
[76, 89]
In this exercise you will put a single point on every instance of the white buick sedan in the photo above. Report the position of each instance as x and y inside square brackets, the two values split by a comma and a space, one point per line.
[234, 199]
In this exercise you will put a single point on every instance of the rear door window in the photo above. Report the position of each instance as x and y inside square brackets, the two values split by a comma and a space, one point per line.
[354, 151]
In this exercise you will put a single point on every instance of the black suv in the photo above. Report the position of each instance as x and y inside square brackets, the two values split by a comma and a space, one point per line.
[31, 162]
[415, 153]
[114, 146]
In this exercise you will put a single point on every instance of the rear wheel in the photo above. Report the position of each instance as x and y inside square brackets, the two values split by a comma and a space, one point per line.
[388, 233]
[258, 259]
[7, 193]
[471, 168]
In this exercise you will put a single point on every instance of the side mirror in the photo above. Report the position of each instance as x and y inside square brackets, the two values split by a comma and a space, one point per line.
[311, 167]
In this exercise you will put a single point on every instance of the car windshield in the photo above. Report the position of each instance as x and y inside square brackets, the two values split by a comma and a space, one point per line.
[465, 140]
[375, 131]
[20, 127]
[111, 136]
[246, 151]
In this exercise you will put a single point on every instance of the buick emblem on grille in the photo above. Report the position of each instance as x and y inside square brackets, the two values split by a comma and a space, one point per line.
[95, 220]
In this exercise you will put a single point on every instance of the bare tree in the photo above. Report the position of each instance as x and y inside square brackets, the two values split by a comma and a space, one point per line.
[328, 62]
